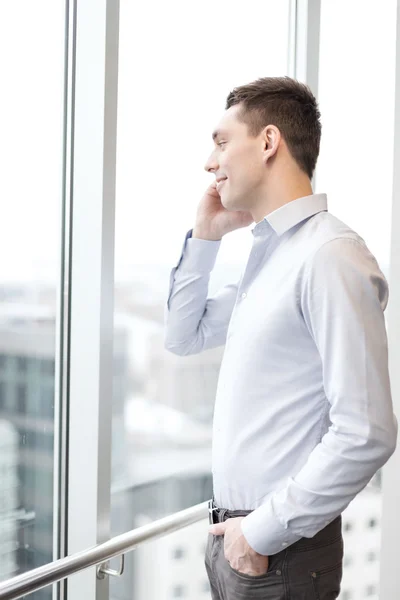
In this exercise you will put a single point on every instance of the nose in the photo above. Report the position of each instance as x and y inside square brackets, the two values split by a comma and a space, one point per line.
[211, 165]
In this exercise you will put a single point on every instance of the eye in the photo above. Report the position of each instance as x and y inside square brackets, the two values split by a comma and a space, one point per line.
[221, 143]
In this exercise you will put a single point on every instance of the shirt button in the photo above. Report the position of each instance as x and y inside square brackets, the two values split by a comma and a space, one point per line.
[244, 295]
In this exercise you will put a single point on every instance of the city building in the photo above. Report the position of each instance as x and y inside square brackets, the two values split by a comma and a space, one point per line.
[27, 454]
[362, 536]
[8, 500]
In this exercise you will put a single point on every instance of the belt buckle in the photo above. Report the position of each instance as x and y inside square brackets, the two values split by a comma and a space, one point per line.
[211, 509]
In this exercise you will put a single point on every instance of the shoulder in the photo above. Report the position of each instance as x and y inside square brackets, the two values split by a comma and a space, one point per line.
[338, 257]
[329, 239]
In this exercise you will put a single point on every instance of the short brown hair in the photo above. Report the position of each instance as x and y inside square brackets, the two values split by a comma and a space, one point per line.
[290, 106]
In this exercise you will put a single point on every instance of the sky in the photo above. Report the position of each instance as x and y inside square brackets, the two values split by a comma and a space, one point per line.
[178, 62]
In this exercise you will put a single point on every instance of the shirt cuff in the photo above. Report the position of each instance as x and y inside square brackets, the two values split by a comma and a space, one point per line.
[199, 255]
[265, 533]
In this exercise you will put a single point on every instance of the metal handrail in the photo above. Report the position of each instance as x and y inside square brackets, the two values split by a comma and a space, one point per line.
[36, 579]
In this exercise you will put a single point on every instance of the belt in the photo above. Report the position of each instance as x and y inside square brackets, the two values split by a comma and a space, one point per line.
[331, 532]
[216, 514]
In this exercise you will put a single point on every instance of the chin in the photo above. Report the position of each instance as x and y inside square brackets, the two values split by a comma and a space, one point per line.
[225, 202]
[232, 203]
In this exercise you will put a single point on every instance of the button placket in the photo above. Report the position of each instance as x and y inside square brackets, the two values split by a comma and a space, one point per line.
[256, 258]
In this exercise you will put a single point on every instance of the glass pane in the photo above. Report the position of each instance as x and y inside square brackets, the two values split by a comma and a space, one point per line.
[31, 125]
[178, 62]
[355, 169]
[179, 561]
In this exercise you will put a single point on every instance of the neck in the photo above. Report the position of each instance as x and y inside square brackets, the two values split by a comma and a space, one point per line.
[280, 192]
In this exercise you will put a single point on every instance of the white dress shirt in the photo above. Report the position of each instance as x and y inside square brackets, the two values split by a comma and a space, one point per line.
[303, 413]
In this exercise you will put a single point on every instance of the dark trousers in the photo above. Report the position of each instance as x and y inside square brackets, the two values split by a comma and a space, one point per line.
[310, 569]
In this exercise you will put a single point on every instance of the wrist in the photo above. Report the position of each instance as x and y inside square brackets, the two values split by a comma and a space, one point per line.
[203, 234]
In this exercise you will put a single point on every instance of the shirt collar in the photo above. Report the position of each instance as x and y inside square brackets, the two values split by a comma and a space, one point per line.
[287, 216]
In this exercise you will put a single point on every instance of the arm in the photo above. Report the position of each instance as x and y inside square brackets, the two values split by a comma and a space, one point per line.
[195, 322]
[343, 298]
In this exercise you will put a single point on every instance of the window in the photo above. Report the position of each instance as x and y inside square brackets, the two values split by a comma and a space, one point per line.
[32, 35]
[348, 526]
[163, 404]
[22, 364]
[206, 587]
[348, 560]
[371, 590]
[48, 367]
[30, 440]
[47, 402]
[45, 441]
[179, 553]
[2, 395]
[21, 398]
[178, 591]
[344, 72]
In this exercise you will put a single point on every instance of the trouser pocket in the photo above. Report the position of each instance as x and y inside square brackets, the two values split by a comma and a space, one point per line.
[239, 586]
[326, 582]
[317, 570]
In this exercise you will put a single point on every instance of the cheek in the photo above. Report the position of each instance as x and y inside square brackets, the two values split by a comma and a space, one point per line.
[243, 168]
[247, 175]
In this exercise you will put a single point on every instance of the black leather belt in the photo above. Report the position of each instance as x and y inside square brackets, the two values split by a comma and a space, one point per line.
[217, 514]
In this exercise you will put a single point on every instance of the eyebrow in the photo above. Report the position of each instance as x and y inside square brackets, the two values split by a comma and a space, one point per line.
[217, 133]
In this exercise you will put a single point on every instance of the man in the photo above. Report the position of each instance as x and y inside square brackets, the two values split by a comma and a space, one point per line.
[303, 415]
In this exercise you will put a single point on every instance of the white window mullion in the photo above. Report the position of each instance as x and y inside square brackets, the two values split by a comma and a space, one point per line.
[92, 285]
[303, 47]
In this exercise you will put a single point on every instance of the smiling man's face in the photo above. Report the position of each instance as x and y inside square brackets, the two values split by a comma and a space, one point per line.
[237, 161]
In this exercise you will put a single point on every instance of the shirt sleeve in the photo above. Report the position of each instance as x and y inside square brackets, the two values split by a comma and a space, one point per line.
[193, 321]
[343, 297]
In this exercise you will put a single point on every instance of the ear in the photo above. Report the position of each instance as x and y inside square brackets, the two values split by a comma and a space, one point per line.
[271, 140]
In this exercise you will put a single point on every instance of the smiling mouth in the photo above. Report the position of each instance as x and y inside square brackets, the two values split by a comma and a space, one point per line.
[220, 184]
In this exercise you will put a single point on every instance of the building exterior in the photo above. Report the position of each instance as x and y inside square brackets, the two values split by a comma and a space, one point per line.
[27, 342]
[172, 567]
[27, 454]
[8, 500]
[362, 533]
